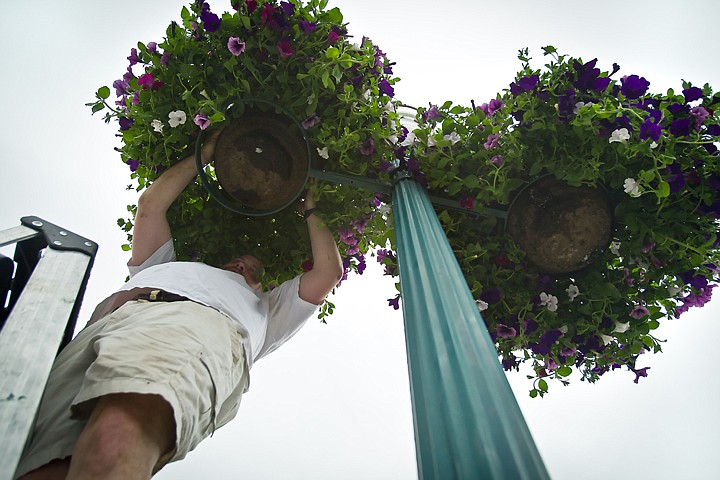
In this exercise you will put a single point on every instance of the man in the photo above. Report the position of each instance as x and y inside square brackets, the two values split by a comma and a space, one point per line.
[164, 361]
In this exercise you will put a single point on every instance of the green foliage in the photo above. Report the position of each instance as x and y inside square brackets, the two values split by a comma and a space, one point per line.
[321, 74]
[665, 238]
[552, 121]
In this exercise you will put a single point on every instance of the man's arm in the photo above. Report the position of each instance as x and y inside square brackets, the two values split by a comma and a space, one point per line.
[151, 229]
[327, 265]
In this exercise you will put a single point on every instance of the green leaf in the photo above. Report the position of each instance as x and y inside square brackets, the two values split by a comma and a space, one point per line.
[533, 393]
[564, 371]
[335, 16]
[542, 384]
[332, 52]
[103, 92]
[663, 190]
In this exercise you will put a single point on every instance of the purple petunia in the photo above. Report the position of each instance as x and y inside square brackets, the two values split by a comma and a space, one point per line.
[680, 127]
[211, 22]
[287, 8]
[394, 302]
[367, 148]
[466, 202]
[493, 106]
[713, 130]
[691, 94]
[492, 141]
[634, 86]
[640, 373]
[497, 160]
[639, 311]
[125, 123]
[503, 331]
[146, 80]
[235, 46]
[308, 27]
[651, 130]
[386, 88]
[566, 104]
[133, 164]
[588, 77]
[431, 113]
[700, 114]
[310, 121]
[491, 296]
[202, 121]
[133, 58]
[121, 87]
[530, 326]
[285, 48]
[525, 84]
[347, 236]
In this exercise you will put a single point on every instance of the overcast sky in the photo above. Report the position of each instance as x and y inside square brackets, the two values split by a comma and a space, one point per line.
[334, 402]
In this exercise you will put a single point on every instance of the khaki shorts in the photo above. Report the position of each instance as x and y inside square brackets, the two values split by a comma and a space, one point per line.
[189, 354]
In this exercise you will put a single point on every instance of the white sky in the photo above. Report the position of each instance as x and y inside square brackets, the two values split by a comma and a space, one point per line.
[334, 402]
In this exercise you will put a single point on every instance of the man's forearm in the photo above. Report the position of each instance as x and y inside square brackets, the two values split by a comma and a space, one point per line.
[168, 186]
[324, 249]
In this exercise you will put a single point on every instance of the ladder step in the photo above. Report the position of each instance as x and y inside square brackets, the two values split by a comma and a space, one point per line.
[16, 234]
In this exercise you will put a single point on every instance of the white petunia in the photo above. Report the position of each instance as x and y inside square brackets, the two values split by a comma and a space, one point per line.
[323, 152]
[632, 187]
[673, 290]
[454, 137]
[409, 140]
[580, 105]
[178, 117]
[572, 291]
[621, 327]
[606, 339]
[431, 141]
[157, 125]
[620, 135]
[615, 248]
[550, 301]
[482, 306]
[653, 145]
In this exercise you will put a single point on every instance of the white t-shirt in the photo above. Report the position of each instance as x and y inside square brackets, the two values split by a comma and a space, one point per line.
[267, 319]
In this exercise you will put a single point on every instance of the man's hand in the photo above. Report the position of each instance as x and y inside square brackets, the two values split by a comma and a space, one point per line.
[309, 202]
[327, 265]
[208, 149]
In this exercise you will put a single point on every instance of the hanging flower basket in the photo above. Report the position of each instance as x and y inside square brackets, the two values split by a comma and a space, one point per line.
[654, 156]
[225, 70]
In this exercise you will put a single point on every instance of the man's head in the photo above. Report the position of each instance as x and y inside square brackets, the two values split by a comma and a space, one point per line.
[249, 267]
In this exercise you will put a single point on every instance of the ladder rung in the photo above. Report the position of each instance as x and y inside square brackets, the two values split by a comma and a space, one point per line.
[16, 234]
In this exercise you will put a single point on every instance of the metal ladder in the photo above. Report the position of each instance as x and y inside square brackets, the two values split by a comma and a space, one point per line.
[38, 310]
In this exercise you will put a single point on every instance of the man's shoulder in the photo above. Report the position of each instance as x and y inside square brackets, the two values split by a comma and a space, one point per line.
[164, 254]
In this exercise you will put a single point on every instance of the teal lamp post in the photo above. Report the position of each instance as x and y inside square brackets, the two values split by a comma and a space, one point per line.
[468, 425]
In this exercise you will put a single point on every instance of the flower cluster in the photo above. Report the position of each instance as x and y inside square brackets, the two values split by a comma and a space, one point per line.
[656, 155]
[296, 55]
